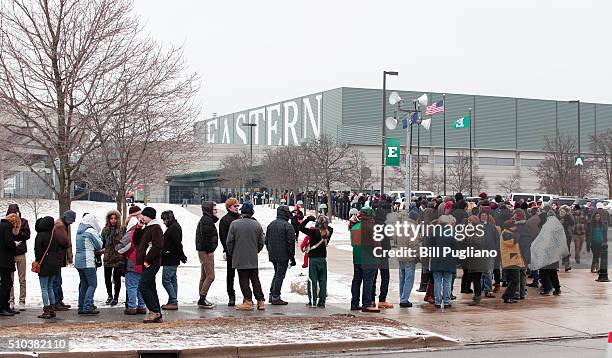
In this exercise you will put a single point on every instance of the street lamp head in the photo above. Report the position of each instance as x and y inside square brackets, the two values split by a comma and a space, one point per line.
[574, 101]
[391, 73]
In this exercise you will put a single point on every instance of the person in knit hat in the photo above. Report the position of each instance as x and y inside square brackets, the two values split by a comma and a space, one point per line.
[483, 196]
[511, 260]
[233, 213]
[149, 247]
[245, 240]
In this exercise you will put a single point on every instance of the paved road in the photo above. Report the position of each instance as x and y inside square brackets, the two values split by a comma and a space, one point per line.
[583, 348]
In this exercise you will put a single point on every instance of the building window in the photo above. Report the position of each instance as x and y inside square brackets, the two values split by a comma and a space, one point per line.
[508, 162]
[530, 162]
[424, 158]
[439, 159]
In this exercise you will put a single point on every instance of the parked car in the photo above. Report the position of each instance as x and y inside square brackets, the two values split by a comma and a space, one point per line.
[565, 200]
[530, 197]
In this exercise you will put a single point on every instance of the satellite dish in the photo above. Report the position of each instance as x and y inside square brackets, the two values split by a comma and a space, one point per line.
[423, 100]
[391, 123]
[394, 98]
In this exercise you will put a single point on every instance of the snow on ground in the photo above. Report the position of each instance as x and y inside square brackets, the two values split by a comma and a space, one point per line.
[220, 332]
[189, 274]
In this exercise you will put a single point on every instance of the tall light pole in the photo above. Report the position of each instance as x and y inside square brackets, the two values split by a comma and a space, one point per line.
[384, 135]
[251, 126]
[577, 101]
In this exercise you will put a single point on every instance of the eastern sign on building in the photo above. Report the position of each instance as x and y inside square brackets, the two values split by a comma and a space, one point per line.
[284, 123]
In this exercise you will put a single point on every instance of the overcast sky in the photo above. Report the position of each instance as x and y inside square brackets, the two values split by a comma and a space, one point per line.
[251, 53]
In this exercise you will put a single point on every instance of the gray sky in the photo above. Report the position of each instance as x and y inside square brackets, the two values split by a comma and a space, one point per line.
[251, 53]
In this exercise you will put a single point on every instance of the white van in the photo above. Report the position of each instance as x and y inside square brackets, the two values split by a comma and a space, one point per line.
[415, 194]
[530, 197]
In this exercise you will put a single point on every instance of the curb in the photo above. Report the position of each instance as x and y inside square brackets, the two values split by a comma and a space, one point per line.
[271, 350]
[282, 350]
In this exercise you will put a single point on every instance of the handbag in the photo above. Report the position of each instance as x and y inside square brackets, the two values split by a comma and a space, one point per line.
[35, 264]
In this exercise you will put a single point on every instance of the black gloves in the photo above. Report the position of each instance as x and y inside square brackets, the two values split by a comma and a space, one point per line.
[184, 259]
[292, 261]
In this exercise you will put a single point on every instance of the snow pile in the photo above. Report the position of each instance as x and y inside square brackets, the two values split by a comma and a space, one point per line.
[188, 274]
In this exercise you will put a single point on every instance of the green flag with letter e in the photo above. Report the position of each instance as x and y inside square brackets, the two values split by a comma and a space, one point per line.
[463, 122]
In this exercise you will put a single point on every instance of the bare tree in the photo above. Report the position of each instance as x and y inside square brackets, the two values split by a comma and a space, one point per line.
[433, 182]
[358, 173]
[63, 74]
[326, 159]
[235, 170]
[285, 167]
[511, 184]
[152, 137]
[601, 145]
[459, 175]
[557, 173]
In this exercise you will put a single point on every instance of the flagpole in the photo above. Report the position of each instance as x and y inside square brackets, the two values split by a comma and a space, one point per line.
[444, 131]
[470, 129]
[418, 157]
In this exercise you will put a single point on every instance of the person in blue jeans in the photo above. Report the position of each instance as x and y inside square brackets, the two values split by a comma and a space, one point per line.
[88, 245]
[126, 247]
[407, 265]
[443, 266]
[46, 251]
[172, 255]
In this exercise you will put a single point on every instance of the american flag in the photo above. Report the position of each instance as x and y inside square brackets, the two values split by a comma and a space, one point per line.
[436, 107]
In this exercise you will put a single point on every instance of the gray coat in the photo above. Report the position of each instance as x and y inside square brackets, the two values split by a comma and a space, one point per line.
[405, 242]
[245, 240]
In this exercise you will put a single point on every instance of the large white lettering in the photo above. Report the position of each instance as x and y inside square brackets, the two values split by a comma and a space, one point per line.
[254, 117]
[315, 123]
[290, 124]
[273, 121]
[210, 134]
[239, 120]
[225, 138]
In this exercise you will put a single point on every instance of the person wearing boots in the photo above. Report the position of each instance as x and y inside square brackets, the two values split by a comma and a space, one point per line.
[280, 243]
[207, 240]
[511, 260]
[113, 261]
[149, 246]
[233, 213]
[46, 252]
[245, 240]
[20, 258]
[474, 267]
[9, 229]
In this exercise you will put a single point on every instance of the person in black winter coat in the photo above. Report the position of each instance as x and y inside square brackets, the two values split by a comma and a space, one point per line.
[172, 255]
[233, 213]
[381, 209]
[9, 229]
[20, 257]
[280, 243]
[47, 254]
[296, 219]
[207, 240]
